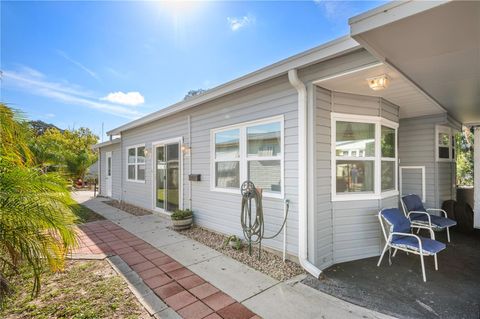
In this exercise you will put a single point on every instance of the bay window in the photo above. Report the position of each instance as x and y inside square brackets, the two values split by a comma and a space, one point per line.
[364, 157]
[249, 151]
[136, 163]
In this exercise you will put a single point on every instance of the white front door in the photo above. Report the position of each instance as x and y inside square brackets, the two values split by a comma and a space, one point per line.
[108, 174]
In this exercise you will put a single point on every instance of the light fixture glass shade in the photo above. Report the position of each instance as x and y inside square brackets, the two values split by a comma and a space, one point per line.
[380, 82]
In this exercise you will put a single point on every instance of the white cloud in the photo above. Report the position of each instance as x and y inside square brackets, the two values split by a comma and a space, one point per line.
[78, 64]
[335, 10]
[129, 98]
[236, 23]
[49, 115]
[63, 92]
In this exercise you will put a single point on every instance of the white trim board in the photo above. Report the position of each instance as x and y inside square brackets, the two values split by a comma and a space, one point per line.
[424, 190]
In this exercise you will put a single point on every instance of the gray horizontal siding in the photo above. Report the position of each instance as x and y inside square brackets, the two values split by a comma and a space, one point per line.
[346, 230]
[324, 229]
[446, 181]
[216, 210]
[356, 230]
[355, 104]
[417, 148]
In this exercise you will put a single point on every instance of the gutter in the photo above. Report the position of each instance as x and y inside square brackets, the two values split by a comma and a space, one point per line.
[302, 175]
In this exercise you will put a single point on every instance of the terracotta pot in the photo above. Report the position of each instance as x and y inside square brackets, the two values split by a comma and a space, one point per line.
[182, 224]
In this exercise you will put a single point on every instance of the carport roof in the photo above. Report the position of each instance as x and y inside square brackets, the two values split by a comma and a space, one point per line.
[434, 44]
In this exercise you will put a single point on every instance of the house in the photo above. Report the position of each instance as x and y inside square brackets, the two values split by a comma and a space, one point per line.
[341, 130]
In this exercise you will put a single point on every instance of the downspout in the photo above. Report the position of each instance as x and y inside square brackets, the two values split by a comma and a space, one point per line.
[189, 119]
[302, 175]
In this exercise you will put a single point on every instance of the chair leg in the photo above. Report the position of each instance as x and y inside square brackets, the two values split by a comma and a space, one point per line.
[436, 261]
[448, 234]
[423, 268]
[394, 252]
[381, 256]
[418, 231]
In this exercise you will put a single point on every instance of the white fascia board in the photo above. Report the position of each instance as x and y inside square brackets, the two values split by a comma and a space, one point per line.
[107, 143]
[388, 13]
[323, 52]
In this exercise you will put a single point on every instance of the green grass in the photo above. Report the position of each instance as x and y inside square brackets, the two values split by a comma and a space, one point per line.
[85, 214]
[86, 289]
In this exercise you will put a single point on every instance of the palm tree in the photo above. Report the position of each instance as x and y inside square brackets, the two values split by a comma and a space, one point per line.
[36, 218]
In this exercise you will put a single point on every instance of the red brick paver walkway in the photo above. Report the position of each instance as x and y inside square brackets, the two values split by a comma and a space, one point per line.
[181, 289]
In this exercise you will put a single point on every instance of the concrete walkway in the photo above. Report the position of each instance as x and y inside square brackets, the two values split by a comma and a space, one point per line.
[258, 292]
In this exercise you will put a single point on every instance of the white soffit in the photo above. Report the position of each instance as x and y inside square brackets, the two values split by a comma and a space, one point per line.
[410, 99]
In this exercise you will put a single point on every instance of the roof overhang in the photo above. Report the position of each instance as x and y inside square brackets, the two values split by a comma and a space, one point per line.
[107, 143]
[412, 101]
[326, 51]
[435, 44]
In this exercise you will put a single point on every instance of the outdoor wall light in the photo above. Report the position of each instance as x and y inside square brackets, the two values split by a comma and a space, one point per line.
[186, 149]
[146, 151]
[379, 82]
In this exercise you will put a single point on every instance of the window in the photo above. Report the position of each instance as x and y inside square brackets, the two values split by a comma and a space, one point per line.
[227, 159]
[355, 152]
[388, 144]
[136, 163]
[445, 143]
[250, 151]
[364, 155]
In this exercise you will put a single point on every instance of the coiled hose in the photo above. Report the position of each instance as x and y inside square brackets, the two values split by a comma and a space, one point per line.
[254, 229]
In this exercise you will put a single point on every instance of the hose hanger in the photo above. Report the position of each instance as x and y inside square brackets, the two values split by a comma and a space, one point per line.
[253, 225]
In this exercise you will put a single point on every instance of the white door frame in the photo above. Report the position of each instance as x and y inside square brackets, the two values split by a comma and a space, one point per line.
[178, 140]
[108, 175]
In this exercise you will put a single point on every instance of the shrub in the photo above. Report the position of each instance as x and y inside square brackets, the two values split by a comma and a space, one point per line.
[180, 214]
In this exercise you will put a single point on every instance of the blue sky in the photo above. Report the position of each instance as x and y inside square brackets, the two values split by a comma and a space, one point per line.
[83, 63]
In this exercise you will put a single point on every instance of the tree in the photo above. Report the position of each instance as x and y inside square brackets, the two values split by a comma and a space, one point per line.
[40, 127]
[193, 93]
[464, 154]
[68, 152]
[36, 218]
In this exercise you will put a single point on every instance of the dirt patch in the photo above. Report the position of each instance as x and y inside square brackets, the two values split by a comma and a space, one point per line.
[85, 289]
[128, 208]
[269, 263]
[85, 214]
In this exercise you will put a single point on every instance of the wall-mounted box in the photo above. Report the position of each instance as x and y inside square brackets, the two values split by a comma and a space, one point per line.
[194, 177]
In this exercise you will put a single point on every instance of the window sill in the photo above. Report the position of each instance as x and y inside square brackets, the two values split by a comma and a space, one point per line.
[371, 196]
[136, 181]
[237, 192]
[445, 160]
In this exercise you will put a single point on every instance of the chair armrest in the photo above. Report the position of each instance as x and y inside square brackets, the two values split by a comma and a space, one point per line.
[419, 212]
[432, 233]
[410, 235]
[438, 210]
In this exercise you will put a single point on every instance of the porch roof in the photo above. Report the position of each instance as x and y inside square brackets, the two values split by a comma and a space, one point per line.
[436, 45]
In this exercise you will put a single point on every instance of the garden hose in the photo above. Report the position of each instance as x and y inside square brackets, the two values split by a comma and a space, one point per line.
[254, 228]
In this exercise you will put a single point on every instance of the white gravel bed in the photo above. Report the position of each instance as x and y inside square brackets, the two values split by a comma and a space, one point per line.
[269, 263]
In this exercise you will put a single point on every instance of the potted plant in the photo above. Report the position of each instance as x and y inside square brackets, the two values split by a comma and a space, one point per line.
[182, 219]
[234, 242]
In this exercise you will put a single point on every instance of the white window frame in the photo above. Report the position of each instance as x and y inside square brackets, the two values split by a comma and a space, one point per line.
[447, 130]
[377, 159]
[424, 187]
[135, 164]
[243, 158]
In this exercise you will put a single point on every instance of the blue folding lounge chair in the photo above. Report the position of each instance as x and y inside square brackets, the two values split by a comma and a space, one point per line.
[418, 215]
[399, 237]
